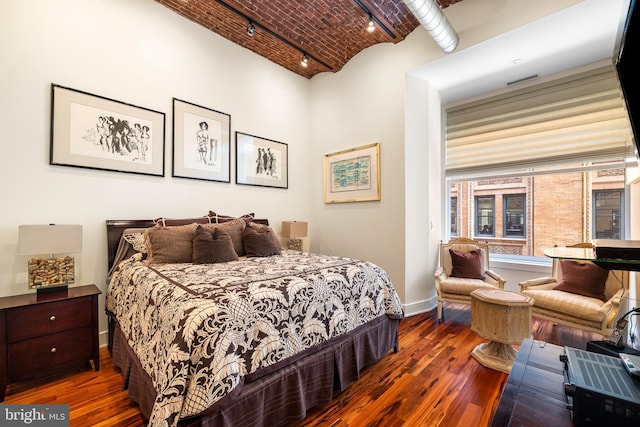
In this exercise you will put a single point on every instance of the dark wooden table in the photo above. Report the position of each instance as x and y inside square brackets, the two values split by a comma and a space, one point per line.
[534, 393]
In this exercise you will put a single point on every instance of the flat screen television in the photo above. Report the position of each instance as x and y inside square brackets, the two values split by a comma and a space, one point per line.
[628, 69]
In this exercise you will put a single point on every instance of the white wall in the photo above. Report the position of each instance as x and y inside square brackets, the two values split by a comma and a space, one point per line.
[140, 53]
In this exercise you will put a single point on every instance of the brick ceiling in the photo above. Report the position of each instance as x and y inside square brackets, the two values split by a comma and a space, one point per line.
[329, 32]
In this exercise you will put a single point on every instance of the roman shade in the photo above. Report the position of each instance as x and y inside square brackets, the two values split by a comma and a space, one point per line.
[564, 121]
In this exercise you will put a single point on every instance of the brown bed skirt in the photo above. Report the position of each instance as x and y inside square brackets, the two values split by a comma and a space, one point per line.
[279, 397]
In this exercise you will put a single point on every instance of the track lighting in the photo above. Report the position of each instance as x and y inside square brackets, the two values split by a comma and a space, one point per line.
[305, 60]
[433, 20]
[251, 29]
[371, 27]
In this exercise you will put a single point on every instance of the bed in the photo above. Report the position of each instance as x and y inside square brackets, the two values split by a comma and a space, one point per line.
[256, 340]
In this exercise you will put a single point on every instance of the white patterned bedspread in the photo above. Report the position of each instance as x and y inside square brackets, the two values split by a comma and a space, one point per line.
[198, 329]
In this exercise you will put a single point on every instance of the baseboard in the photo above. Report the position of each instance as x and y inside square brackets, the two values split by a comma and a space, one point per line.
[420, 307]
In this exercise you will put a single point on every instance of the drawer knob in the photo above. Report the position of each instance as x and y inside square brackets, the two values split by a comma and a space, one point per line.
[53, 317]
[53, 349]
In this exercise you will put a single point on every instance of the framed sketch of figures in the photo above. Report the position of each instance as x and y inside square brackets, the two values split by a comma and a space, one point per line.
[201, 142]
[261, 161]
[94, 132]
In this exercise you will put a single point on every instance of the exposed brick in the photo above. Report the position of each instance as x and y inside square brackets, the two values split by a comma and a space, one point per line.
[333, 31]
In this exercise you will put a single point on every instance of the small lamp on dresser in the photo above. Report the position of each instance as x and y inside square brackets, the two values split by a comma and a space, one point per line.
[53, 273]
[293, 231]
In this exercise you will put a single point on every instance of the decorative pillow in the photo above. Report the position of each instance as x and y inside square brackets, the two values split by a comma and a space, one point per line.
[208, 249]
[170, 244]
[167, 222]
[219, 219]
[583, 278]
[467, 264]
[263, 228]
[234, 228]
[135, 237]
[259, 243]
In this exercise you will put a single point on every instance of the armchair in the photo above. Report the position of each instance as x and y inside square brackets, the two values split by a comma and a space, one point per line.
[464, 271]
[595, 306]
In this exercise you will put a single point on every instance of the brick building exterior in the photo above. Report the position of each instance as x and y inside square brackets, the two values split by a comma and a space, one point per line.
[526, 215]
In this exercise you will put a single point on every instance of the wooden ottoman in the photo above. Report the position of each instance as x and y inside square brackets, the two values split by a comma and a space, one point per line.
[504, 317]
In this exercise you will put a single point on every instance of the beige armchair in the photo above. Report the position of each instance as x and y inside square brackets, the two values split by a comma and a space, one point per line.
[578, 311]
[454, 287]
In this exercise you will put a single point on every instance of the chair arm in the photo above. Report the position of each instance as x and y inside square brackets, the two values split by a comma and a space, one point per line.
[535, 282]
[612, 308]
[440, 273]
[495, 278]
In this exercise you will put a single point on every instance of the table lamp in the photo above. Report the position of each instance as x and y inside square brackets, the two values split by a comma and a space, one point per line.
[293, 230]
[53, 273]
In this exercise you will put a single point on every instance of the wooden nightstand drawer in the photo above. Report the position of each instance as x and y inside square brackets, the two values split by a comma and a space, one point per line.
[42, 333]
[42, 319]
[37, 355]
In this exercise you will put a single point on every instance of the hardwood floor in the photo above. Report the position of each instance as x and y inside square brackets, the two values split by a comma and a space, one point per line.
[431, 381]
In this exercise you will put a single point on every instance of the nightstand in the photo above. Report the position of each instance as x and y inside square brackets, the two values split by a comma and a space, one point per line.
[42, 333]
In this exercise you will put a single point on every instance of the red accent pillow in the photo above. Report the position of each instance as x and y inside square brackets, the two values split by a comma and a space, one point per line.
[467, 264]
[583, 278]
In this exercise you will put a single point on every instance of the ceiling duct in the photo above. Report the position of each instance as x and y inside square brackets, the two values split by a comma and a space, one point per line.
[433, 20]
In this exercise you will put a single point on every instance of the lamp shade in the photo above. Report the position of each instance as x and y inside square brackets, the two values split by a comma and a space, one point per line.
[49, 239]
[294, 229]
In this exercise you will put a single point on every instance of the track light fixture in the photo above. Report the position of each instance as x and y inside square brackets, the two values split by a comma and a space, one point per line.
[373, 20]
[433, 20]
[371, 27]
[251, 29]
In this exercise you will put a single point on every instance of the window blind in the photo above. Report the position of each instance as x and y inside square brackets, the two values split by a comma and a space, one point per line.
[569, 120]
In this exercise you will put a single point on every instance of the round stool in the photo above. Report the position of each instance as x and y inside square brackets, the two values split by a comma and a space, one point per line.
[504, 317]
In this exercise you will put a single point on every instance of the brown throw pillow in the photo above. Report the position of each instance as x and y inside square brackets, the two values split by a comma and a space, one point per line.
[467, 264]
[234, 228]
[583, 278]
[263, 228]
[259, 243]
[170, 244]
[219, 219]
[209, 249]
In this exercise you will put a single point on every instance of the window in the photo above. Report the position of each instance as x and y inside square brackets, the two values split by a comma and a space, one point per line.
[570, 207]
[454, 215]
[607, 214]
[485, 215]
[513, 208]
[541, 164]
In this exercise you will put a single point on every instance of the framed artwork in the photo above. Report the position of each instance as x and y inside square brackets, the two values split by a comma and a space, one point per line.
[94, 132]
[352, 175]
[261, 161]
[201, 142]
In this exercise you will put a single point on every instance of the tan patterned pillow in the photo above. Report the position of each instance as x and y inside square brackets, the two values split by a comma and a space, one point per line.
[234, 228]
[170, 244]
[136, 240]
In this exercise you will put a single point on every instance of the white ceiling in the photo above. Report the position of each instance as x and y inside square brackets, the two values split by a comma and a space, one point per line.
[575, 36]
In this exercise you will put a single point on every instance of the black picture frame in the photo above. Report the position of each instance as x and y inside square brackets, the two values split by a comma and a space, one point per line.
[201, 142]
[261, 162]
[95, 132]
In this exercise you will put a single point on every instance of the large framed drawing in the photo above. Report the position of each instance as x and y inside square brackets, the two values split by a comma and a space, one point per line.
[261, 161]
[201, 142]
[91, 131]
[352, 175]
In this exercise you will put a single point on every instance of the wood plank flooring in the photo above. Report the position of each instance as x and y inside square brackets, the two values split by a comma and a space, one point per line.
[431, 381]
